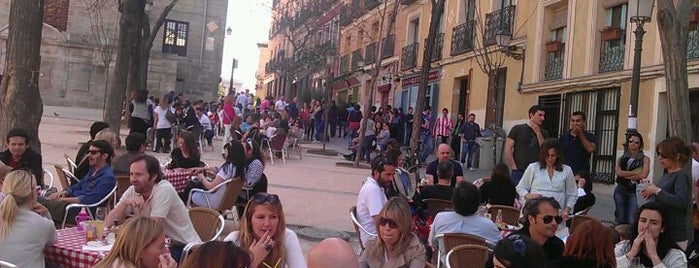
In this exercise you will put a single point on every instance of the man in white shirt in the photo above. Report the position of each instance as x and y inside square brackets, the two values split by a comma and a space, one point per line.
[280, 104]
[206, 124]
[371, 197]
[150, 195]
[241, 101]
[695, 165]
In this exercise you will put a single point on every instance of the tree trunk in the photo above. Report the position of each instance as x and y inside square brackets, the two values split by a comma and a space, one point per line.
[378, 52]
[21, 105]
[117, 94]
[435, 17]
[673, 27]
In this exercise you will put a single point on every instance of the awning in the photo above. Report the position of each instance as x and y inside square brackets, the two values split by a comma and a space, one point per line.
[345, 83]
[384, 88]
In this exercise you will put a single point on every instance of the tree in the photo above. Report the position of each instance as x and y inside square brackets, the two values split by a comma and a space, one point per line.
[673, 26]
[21, 105]
[435, 17]
[103, 36]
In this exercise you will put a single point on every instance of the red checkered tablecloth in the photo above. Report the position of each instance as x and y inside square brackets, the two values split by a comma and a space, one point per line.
[67, 252]
[178, 179]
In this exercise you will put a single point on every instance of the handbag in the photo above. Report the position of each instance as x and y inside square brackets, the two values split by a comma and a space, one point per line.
[170, 116]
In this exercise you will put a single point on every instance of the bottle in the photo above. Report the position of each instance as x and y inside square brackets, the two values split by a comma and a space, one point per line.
[498, 219]
[82, 216]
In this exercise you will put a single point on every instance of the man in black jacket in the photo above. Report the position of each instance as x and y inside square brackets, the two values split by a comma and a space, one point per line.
[18, 155]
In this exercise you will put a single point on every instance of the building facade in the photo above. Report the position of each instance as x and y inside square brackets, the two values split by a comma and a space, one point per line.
[78, 41]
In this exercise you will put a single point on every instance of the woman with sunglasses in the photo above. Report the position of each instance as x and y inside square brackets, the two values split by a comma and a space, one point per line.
[549, 177]
[140, 243]
[517, 251]
[263, 232]
[396, 244]
[650, 244]
[590, 246]
[632, 167]
[234, 167]
[23, 233]
[671, 189]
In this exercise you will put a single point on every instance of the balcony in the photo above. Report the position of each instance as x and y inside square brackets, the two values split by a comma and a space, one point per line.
[356, 58]
[369, 57]
[407, 2]
[611, 57]
[344, 64]
[437, 48]
[346, 17]
[388, 46]
[500, 21]
[371, 4]
[693, 45]
[462, 38]
[409, 57]
[554, 68]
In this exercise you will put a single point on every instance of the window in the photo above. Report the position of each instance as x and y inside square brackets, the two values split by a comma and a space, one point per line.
[175, 37]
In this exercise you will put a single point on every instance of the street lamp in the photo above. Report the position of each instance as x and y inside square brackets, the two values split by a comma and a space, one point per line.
[502, 39]
[640, 11]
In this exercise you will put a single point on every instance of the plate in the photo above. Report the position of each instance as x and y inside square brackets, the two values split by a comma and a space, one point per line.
[512, 227]
[97, 246]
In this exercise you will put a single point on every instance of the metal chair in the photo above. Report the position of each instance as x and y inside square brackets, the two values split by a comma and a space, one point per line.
[296, 147]
[277, 145]
[448, 241]
[435, 205]
[247, 192]
[6, 264]
[467, 256]
[71, 164]
[88, 206]
[207, 222]
[510, 215]
[358, 227]
[188, 250]
[44, 191]
[227, 203]
[62, 175]
[122, 183]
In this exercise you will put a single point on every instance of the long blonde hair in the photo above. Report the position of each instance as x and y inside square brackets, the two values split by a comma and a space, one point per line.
[109, 136]
[398, 210]
[134, 236]
[246, 235]
[18, 188]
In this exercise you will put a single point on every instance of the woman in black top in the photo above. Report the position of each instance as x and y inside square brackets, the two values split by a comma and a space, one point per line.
[187, 154]
[499, 189]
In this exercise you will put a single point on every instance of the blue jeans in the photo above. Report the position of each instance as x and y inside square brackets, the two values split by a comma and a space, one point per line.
[366, 148]
[428, 143]
[468, 148]
[407, 133]
[516, 175]
[319, 125]
[626, 206]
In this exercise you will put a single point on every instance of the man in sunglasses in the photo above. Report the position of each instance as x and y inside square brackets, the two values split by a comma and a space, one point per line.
[541, 222]
[150, 195]
[19, 156]
[371, 197]
[92, 188]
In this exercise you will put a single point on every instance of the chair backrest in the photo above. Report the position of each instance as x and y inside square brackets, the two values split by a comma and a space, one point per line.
[206, 222]
[435, 205]
[510, 215]
[71, 164]
[235, 186]
[579, 219]
[260, 186]
[277, 142]
[356, 225]
[122, 183]
[467, 256]
[6, 264]
[61, 174]
[584, 211]
[451, 240]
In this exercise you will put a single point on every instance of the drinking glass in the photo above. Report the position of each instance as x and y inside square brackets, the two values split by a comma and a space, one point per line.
[100, 214]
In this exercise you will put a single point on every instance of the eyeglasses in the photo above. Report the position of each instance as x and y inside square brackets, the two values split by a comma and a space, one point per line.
[93, 151]
[261, 198]
[518, 244]
[391, 223]
[661, 155]
[548, 219]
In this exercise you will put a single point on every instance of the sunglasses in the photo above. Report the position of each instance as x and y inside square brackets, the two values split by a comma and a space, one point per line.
[261, 198]
[636, 142]
[548, 219]
[93, 151]
[391, 224]
[518, 244]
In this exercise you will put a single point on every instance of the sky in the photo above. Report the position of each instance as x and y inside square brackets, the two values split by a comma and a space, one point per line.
[250, 21]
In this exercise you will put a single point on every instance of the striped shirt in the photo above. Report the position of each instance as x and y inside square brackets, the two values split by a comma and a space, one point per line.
[443, 126]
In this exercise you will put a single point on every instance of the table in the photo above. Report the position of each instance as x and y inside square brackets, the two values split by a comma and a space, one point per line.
[178, 179]
[67, 251]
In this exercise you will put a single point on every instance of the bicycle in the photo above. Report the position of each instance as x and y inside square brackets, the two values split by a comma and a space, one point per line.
[411, 161]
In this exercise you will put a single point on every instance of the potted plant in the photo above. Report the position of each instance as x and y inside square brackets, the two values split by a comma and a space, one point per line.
[611, 33]
[553, 46]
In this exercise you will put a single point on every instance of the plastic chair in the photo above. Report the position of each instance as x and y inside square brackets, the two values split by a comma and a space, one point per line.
[435, 205]
[88, 206]
[358, 227]
[467, 256]
[207, 222]
[510, 215]
[6, 264]
[579, 219]
[276, 145]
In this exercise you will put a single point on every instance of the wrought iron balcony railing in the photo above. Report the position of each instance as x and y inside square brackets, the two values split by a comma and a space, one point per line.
[693, 45]
[554, 68]
[409, 56]
[356, 58]
[438, 46]
[388, 46]
[344, 64]
[611, 58]
[369, 50]
[462, 38]
[500, 21]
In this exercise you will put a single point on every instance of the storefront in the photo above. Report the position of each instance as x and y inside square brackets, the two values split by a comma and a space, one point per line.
[406, 97]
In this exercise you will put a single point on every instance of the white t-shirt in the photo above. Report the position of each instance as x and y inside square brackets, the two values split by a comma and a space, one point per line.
[165, 203]
[162, 120]
[294, 254]
[695, 175]
[205, 122]
[280, 105]
[241, 99]
[369, 203]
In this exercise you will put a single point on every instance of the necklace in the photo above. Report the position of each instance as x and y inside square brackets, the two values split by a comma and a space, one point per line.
[275, 264]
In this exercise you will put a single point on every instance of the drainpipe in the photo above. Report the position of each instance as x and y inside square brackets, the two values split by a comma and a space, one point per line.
[203, 32]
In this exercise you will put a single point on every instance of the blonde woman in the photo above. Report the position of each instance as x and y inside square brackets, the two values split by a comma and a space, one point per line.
[396, 244]
[111, 137]
[23, 233]
[263, 232]
[163, 127]
[140, 243]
